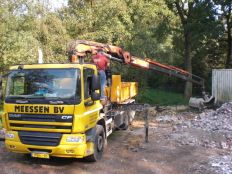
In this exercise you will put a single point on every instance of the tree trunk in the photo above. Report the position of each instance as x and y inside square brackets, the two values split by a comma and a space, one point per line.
[229, 40]
[188, 64]
[187, 46]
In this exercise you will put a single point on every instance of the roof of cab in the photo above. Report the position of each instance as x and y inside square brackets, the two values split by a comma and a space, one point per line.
[50, 66]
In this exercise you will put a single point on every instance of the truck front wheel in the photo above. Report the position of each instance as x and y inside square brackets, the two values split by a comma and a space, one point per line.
[99, 144]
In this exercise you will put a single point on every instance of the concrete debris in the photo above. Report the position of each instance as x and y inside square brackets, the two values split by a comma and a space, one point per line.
[198, 137]
[215, 164]
[167, 112]
[219, 121]
[211, 129]
[222, 164]
[166, 119]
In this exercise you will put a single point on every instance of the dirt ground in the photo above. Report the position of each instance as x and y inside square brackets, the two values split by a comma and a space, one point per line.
[128, 153]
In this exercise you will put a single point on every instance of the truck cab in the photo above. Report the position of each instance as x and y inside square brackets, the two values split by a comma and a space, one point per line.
[54, 110]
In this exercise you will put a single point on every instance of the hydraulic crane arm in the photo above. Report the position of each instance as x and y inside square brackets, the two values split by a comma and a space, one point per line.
[166, 69]
[82, 47]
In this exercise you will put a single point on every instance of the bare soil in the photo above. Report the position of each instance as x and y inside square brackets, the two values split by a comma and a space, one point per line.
[127, 153]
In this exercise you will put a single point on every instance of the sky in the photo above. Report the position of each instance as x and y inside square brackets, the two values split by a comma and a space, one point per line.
[58, 3]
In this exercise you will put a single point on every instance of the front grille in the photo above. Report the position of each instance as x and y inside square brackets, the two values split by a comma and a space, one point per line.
[43, 123]
[40, 118]
[40, 126]
[40, 138]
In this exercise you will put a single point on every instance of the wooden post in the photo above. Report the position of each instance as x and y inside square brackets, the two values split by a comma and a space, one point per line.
[146, 125]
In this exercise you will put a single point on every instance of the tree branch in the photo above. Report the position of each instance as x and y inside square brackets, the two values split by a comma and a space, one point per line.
[180, 11]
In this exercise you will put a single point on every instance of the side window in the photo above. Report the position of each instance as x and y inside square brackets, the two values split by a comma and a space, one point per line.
[88, 74]
[18, 86]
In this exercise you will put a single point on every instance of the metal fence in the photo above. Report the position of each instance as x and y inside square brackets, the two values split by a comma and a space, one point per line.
[222, 85]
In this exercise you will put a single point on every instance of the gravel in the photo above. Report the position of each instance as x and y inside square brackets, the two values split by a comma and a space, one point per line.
[216, 121]
[211, 128]
[220, 122]
[221, 164]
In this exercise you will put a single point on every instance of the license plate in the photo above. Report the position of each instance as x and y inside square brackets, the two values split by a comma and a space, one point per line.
[40, 155]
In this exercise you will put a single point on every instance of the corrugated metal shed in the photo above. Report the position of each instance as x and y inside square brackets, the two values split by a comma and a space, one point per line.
[222, 85]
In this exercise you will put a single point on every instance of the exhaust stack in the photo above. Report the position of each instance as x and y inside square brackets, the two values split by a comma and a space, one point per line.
[40, 58]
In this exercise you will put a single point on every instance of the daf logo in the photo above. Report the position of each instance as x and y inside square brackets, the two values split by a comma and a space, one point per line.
[14, 115]
[66, 117]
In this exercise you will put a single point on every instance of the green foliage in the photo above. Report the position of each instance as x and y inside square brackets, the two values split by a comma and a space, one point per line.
[53, 38]
[109, 23]
[200, 31]
[224, 13]
[28, 25]
[146, 28]
[161, 97]
[18, 44]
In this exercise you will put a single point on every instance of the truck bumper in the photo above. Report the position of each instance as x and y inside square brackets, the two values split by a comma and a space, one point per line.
[64, 149]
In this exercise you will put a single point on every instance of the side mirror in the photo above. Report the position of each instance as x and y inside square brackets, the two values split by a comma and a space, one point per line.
[95, 83]
[95, 96]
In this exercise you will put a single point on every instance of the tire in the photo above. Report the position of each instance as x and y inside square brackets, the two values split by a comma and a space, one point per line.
[99, 144]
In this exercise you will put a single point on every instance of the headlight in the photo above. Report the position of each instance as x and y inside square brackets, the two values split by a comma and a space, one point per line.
[75, 139]
[9, 136]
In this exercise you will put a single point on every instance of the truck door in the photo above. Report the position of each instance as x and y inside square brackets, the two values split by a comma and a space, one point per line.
[92, 109]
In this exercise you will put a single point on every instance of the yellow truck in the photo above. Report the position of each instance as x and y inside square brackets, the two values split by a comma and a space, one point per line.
[54, 109]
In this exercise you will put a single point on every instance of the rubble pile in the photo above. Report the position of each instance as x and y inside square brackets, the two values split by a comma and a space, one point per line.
[166, 119]
[219, 120]
[212, 129]
[221, 164]
[216, 164]
[197, 137]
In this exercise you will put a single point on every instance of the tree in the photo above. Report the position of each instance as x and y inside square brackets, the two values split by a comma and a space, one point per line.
[196, 18]
[18, 44]
[25, 27]
[225, 14]
[182, 33]
[141, 27]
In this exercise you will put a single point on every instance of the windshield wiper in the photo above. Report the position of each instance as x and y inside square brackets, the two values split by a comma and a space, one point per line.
[21, 101]
[59, 100]
[17, 97]
[55, 100]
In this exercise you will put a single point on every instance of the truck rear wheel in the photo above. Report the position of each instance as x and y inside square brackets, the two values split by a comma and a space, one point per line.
[99, 144]
[126, 122]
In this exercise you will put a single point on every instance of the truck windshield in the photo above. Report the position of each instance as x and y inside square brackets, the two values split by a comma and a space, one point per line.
[45, 84]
